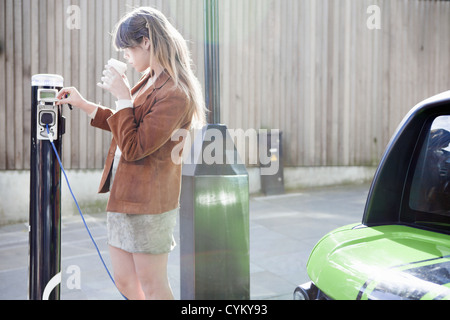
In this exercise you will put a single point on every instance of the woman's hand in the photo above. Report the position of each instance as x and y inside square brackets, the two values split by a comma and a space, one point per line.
[71, 96]
[115, 83]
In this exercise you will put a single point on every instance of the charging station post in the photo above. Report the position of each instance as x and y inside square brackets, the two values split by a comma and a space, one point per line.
[45, 189]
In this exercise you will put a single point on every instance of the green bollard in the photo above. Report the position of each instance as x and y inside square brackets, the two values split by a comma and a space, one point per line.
[214, 220]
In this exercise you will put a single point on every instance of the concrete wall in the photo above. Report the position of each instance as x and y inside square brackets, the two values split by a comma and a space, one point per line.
[15, 188]
[15, 194]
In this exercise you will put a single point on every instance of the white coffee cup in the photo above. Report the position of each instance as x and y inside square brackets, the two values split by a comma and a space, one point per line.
[118, 65]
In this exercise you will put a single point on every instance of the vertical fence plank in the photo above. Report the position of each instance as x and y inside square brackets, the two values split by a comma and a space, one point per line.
[66, 53]
[18, 86]
[102, 43]
[9, 79]
[25, 73]
[3, 101]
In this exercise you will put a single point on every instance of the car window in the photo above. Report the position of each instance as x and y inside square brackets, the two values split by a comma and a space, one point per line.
[430, 188]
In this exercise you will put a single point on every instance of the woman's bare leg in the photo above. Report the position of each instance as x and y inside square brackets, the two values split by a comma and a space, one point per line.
[151, 271]
[125, 276]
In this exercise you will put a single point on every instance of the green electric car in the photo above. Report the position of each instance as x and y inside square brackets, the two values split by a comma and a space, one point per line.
[401, 248]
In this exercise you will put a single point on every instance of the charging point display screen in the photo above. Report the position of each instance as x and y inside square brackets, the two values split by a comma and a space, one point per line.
[47, 95]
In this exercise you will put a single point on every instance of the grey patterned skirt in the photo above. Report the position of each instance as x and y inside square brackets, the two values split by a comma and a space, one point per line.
[151, 234]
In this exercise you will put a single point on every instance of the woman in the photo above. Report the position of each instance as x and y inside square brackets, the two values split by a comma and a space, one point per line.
[143, 181]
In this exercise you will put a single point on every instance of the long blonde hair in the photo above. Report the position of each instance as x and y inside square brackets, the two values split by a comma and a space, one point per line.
[169, 49]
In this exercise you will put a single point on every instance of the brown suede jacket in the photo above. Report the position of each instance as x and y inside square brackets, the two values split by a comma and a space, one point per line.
[147, 181]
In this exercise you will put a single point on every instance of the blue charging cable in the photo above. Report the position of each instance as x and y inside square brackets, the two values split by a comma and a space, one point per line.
[50, 136]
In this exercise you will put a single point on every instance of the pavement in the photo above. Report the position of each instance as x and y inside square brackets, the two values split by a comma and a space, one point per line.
[283, 231]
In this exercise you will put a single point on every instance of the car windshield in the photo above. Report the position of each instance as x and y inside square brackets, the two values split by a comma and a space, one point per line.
[430, 189]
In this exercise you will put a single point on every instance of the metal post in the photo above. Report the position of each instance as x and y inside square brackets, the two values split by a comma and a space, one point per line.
[214, 213]
[45, 189]
[214, 220]
[212, 62]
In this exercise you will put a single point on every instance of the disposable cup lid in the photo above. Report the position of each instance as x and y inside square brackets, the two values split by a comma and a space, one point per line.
[47, 80]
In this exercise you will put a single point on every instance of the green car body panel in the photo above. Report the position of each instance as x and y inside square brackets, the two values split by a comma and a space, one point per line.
[384, 262]
[401, 247]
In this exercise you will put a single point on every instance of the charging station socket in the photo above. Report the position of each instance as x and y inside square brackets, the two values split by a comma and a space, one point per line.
[47, 114]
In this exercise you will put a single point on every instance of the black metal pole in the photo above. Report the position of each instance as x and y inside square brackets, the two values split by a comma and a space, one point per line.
[212, 61]
[45, 189]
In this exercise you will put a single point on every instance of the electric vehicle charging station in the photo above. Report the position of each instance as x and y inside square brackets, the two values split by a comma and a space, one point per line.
[45, 189]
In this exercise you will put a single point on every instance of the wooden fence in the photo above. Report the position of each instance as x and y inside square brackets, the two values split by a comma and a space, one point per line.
[316, 69]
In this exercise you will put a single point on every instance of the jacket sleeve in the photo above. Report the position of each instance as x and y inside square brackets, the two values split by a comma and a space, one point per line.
[101, 117]
[138, 140]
